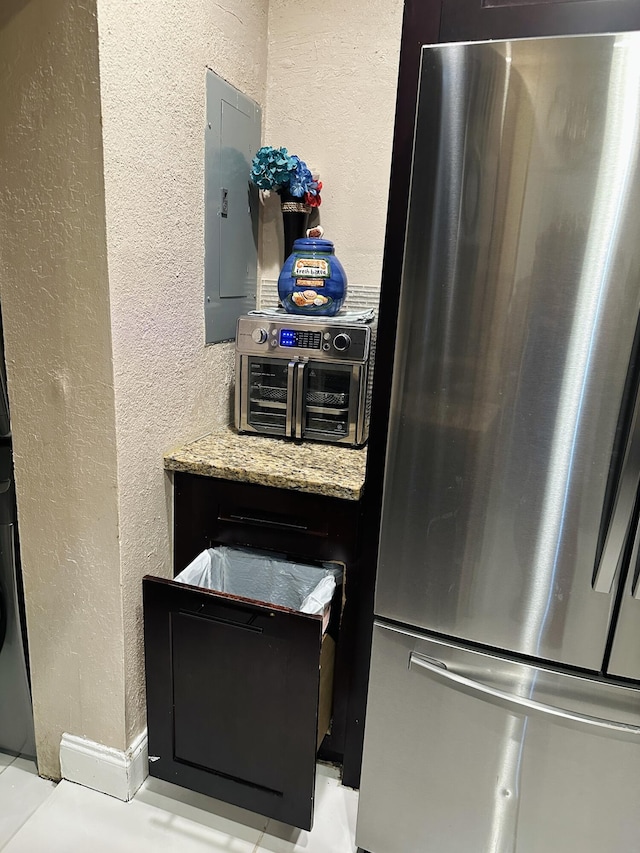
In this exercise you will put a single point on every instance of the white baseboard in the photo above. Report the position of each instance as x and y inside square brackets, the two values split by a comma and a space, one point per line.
[116, 772]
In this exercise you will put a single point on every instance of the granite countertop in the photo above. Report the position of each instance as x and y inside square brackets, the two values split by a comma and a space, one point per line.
[315, 467]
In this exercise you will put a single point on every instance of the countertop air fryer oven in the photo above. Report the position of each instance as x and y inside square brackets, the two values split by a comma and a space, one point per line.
[304, 378]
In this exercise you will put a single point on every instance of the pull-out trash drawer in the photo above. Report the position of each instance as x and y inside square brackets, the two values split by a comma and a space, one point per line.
[238, 692]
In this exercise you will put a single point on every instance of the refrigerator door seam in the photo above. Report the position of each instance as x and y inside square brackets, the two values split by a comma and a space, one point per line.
[623, 510]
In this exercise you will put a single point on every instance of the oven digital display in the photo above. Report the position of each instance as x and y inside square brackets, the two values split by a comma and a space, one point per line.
[298, 338]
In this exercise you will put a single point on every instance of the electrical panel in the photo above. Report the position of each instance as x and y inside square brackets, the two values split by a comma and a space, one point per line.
[232, 137]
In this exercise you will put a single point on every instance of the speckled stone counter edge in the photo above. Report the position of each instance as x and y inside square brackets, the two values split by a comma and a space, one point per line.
[312, 467]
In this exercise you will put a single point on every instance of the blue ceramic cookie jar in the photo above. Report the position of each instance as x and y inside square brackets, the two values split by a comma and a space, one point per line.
[312, 280]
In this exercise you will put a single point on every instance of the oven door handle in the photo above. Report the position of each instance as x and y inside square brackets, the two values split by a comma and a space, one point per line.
[300, 398]
[289, 422]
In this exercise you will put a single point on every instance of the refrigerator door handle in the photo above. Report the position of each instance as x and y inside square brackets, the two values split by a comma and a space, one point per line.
[438, 671]
[635, 563]
[622, 509]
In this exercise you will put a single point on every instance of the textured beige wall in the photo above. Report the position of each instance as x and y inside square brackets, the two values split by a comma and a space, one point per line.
[88, 311]
[169, 388]
[65, 322]
[55, 301]
[331, 91]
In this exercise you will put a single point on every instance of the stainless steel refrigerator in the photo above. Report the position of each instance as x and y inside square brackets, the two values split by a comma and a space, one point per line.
[504, 700]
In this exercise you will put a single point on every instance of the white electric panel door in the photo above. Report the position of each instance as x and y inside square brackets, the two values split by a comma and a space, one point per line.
[232, 137]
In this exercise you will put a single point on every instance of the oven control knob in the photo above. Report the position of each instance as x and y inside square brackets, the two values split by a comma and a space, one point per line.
[259, 335]
[342, 342]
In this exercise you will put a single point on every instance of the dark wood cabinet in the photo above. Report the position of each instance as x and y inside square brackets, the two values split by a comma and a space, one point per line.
[239, 691]
[471, 20]
[233, 698]
[209, 511]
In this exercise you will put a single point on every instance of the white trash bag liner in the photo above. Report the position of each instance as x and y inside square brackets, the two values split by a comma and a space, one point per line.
[263, 577]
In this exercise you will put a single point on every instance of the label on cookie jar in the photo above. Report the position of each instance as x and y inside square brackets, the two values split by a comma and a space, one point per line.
[309, 282]
[309, 299]
[313, 268]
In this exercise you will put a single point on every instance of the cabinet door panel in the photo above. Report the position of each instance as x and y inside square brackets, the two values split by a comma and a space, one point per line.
[308, 527]
[230, 668]
[475, 20]
[232, 698]
[210, 511]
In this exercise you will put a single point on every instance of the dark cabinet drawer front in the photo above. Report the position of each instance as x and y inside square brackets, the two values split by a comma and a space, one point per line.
[255, 517]
[209, 511]
[242, 670]
[232, 698]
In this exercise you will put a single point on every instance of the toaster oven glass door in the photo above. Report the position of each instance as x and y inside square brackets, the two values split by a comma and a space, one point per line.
[269, 394]
[328, 407]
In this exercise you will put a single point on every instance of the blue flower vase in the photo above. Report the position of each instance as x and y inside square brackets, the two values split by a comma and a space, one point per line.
[312, 281]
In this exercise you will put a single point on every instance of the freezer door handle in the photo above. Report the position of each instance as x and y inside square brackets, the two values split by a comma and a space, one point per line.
[438, 671]
[622, 509]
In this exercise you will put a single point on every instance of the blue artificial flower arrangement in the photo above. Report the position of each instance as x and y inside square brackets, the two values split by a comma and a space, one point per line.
[276, 169]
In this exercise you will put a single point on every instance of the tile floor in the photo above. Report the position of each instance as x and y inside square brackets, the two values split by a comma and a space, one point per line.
[22, 792]
[38, 816]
